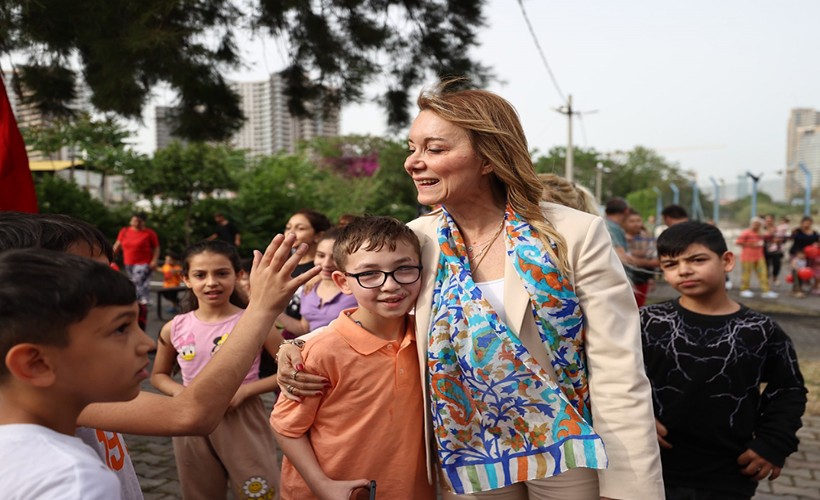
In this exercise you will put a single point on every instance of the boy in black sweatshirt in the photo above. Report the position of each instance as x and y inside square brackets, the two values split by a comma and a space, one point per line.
[708, 358]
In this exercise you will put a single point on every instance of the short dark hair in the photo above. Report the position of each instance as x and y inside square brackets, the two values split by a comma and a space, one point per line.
[675, 212]
[44, 292]
[675, 240]
[376, 232]
[50, 231]
[616, 206]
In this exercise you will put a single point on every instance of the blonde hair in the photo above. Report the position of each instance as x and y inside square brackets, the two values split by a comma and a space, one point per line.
[497, 137]
[563, 192]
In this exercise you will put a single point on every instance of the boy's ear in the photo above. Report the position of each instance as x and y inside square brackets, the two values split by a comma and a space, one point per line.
[728, 259]
[340, 280]
[30, 363]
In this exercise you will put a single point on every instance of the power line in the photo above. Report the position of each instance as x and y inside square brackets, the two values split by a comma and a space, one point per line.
[541, 51]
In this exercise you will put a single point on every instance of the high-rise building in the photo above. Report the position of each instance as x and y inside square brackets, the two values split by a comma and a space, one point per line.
[802, 147]
[269, 127]
[164, 126]
[27, 115]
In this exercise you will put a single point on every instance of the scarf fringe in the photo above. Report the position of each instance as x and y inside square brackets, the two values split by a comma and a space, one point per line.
[574, 452]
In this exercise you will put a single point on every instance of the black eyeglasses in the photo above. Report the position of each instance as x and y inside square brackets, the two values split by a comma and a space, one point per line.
[403, 275]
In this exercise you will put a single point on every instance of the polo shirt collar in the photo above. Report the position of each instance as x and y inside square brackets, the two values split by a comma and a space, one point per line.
[364, 342]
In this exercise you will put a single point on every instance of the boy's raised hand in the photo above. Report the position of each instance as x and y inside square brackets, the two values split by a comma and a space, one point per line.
[757, 467]
[270, 281]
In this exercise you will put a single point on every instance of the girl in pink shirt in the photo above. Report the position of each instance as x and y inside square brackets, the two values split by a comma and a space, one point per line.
[242, 450]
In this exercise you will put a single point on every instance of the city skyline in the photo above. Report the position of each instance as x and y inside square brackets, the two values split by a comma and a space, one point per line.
[709, 85]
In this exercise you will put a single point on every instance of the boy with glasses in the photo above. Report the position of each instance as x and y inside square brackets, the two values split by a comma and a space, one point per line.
[368, 425]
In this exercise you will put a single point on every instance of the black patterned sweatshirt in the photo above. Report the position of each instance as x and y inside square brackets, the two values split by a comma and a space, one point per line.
[721, 385]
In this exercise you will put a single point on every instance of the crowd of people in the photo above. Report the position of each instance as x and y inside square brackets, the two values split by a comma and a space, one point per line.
[491, 348]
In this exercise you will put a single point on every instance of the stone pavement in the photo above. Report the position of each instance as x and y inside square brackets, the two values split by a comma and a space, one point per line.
[154, 459]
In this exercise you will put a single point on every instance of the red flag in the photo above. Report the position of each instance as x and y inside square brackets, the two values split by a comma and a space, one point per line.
[16, 185]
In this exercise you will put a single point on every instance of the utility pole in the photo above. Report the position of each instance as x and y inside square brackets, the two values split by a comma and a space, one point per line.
[569, 174]
[567, 110]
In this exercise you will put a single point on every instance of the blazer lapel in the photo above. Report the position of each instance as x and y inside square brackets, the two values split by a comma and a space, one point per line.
[429, 259]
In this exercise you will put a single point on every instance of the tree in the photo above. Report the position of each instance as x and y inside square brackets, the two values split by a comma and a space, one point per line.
[335, 48]
[626, 172]
[100, 143]
[59, 196]
[180, 174]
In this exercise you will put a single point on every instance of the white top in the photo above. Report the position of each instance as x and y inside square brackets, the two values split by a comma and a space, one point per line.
[493, 291]
[37, 462]
[110, 447]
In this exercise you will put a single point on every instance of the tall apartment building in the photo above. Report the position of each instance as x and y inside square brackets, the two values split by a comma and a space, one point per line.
[269, 127]
[27, 115]
[802, 147]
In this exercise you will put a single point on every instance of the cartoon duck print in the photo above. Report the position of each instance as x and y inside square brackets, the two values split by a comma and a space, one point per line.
[188, 348]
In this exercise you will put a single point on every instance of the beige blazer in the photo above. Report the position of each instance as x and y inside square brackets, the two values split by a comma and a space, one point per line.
[620, 394]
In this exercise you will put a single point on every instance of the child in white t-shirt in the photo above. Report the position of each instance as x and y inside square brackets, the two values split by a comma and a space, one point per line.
[68, 337]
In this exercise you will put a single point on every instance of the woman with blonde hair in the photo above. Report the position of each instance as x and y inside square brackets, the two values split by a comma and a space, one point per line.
[527, 330]
[559, 190]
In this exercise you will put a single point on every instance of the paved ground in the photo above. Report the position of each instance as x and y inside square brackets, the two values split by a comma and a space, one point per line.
[154, 461]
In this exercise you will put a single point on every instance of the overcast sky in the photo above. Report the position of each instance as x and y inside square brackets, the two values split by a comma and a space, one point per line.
[707, 84]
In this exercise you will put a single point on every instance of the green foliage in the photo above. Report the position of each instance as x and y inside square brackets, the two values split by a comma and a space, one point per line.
[101, 145]
[58, 196]
[278, 186]
[182, 174]
[623, 174]
[335, 47]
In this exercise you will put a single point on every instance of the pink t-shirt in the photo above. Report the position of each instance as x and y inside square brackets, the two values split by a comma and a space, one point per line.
[196, 342]
[751, 244]
[370, 423]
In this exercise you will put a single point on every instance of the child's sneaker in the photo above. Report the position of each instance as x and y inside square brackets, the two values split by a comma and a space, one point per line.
[747, 294]
[770, 295]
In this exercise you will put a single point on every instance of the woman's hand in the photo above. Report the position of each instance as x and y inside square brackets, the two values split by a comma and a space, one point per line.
[662, 433]
[293, 380]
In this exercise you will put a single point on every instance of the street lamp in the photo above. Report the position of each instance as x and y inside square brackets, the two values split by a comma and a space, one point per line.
[807, 190]
[600, 170]
[675, 193]
[755, 180]
[716, 204]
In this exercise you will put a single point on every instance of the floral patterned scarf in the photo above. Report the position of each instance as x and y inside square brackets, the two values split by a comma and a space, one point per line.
[498, 417]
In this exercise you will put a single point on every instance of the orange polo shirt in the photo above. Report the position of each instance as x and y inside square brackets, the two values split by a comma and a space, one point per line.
[369, 424]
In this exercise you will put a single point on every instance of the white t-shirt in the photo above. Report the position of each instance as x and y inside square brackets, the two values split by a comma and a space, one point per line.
[110, 446]
[37, 462]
